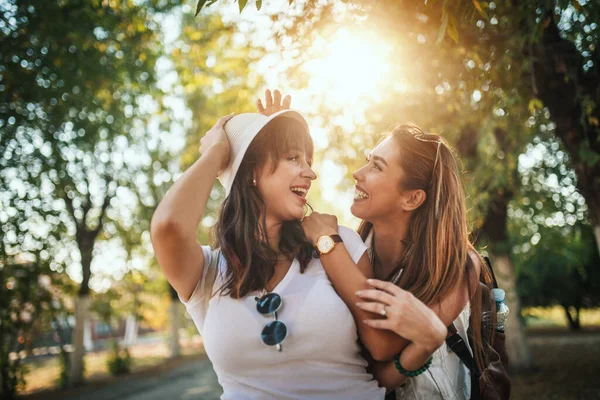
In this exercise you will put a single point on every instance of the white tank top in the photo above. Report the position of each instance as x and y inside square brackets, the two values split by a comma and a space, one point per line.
[321, 356]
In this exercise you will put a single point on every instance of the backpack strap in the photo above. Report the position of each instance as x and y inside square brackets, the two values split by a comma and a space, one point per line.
[459, 347]
[489, 264]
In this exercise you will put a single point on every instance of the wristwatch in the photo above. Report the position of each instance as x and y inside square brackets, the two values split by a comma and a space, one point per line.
[325, 244]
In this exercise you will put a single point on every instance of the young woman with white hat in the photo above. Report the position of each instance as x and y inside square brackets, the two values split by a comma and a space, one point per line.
[272, 324]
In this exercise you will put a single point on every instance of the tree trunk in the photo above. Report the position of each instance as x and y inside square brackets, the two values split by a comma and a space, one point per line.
[574, 323]
[81, 315]
[174, 324]
[131, 331]
[495, 228]
[516, 341]
[597, 234]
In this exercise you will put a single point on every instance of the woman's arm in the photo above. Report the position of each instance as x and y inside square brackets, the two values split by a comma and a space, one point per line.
[412, 358]
[384, 337]
[175, 220]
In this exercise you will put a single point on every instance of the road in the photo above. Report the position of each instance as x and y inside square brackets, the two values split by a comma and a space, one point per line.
[193, 380]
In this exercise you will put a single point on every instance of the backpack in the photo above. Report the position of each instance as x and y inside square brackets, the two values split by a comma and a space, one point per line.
[493, 383]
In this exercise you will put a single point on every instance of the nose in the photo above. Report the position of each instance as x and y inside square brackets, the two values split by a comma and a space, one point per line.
[309, 173]
[358, 174]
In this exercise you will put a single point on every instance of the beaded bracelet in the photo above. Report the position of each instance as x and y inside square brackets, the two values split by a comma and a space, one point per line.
[411, 374]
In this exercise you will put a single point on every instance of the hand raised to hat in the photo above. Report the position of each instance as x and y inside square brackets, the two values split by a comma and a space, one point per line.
[215, 142]
[273, 103]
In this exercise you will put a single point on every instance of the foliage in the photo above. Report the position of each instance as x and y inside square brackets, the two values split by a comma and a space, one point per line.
[215, 64]
[553, 246]
[119, 362]
[25, 294]
[77, 80]
[554, 273]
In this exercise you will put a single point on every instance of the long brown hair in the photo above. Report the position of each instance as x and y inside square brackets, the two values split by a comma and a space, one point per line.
[437, 258]
[241, 227]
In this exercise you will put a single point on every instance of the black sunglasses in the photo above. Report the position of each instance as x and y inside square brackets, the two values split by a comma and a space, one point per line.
[274, 333]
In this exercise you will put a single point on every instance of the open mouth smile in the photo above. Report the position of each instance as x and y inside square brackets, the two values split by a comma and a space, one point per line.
[359, 194]
[301, 192]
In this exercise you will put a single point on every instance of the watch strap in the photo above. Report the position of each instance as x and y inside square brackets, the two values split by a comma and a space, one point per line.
[336, 238]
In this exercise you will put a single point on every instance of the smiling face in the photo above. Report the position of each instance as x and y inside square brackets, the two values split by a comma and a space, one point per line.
[267, 199]
[378, 184]
[283, 185]
[275, 174]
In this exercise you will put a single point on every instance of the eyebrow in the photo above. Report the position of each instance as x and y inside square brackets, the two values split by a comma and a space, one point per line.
[380, 159]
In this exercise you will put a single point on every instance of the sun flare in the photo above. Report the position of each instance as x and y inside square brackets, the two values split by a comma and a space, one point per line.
[352, 67]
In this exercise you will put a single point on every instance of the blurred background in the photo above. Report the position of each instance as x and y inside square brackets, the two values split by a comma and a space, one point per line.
[103, 104]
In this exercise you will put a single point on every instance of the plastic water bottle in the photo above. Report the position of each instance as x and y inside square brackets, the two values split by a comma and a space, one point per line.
[501, 311]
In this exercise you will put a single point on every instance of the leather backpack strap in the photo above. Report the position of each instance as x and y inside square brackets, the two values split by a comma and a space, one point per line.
[459, 347]
[489, 264]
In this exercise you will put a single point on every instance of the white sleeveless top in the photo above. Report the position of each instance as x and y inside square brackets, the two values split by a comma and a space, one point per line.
[321, 356]
[447, 378]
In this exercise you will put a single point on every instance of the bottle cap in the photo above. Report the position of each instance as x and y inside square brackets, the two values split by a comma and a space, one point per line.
[498, 294]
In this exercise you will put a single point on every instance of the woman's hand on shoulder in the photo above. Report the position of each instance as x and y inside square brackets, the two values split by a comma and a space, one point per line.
[273, 103]
[316, 225]
[404, 314]
[215, 140]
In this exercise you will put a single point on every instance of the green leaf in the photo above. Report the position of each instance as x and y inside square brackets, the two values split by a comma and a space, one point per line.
[199, 7]
[480, 9]
[535, 104]
[588, 155]
[258, 4]
[442, 31]
[452, 30]
[242, 4]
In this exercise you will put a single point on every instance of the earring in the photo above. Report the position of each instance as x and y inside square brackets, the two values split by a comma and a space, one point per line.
[254, 182]
[307, 207]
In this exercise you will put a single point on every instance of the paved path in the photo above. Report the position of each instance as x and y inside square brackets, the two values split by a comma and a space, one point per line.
[193, 380]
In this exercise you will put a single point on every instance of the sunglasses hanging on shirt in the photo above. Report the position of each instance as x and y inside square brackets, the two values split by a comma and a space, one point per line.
[275, 332]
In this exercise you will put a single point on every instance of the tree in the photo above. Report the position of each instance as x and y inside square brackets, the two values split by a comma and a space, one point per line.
[554, 274]
[555, 252]
[25, 296]
[77, 77]
[566, 78]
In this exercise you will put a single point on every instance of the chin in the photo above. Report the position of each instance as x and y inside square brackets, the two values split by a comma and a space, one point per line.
[357, 210]
[296, 216]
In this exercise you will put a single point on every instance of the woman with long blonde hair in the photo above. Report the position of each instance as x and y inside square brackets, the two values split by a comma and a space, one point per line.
[411, 200]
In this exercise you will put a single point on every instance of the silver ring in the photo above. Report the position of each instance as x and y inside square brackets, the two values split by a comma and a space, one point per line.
[383, 312]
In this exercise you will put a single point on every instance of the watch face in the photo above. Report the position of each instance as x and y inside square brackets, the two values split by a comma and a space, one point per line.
[325, 244]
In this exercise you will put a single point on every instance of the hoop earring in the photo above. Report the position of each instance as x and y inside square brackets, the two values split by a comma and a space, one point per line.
[307, 207]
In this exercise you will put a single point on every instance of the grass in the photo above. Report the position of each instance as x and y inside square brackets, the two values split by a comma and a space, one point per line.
[565, 367]
[44, 373]
[543, 317]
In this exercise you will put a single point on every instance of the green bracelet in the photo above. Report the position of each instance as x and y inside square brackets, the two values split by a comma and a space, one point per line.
[411, 374]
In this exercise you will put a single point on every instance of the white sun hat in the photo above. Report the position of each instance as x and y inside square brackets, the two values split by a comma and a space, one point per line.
[241, 130]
